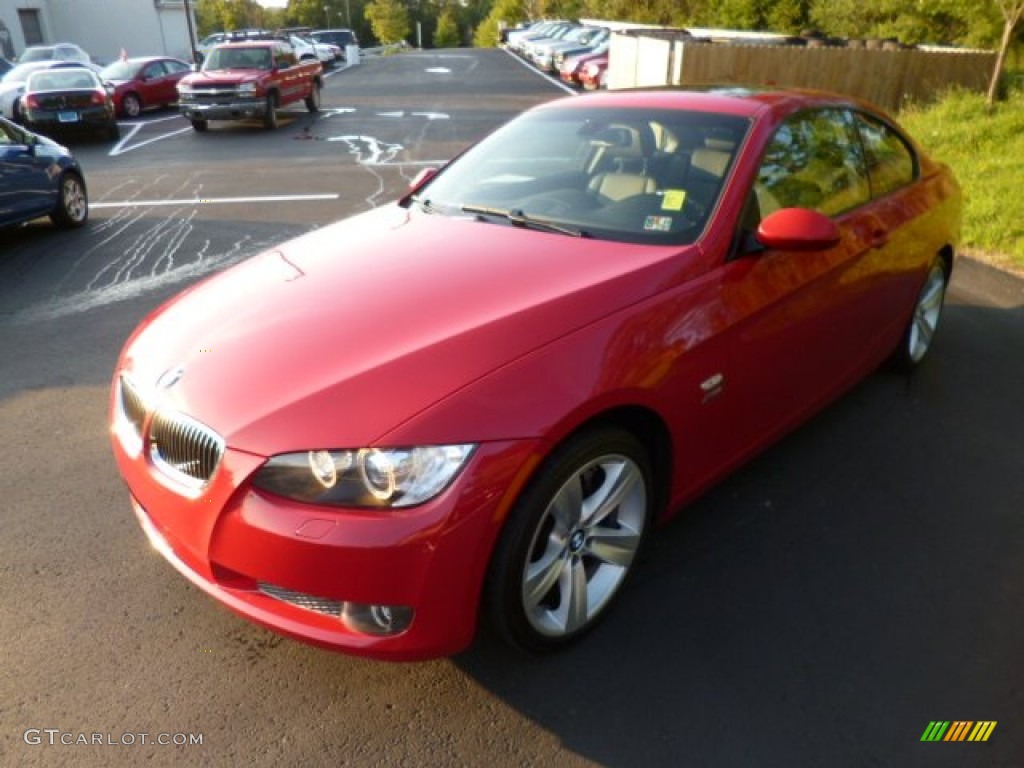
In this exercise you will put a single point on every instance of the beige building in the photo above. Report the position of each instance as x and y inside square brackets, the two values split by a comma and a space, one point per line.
[102, 27]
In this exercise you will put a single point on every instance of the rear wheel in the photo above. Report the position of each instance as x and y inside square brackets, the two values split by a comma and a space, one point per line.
[571, 540]
[270, 112]
[199, 126]
[72, 203]
[917, 338]
[112, 132]
[313, 100]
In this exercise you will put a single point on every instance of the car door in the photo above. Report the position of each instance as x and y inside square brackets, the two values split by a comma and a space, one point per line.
[804, 325]
[157, 87]
[26, 186]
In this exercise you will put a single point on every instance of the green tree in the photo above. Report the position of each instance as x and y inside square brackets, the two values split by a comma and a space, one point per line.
[508, 12]
[1011, 11]
[447, 33]
[389, 20]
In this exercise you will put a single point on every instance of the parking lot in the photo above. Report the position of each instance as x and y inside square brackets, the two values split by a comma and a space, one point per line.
[862, 578]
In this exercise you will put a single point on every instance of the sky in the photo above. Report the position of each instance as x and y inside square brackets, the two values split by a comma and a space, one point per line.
[273, 3]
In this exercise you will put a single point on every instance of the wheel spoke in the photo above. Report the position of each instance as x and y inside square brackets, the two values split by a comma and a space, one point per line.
[614, 546]
[542, 575]
[574, 606]
[567, 506]
[620, 480]
[925, 329]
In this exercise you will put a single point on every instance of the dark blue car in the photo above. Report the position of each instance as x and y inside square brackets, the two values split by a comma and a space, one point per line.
[39, 177]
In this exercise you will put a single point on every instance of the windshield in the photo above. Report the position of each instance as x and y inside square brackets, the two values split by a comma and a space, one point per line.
[62, 80]
[238, 58]
[38, 54]
[120, 70]
[644, 176]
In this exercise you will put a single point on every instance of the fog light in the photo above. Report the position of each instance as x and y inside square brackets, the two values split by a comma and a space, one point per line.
[376, 619]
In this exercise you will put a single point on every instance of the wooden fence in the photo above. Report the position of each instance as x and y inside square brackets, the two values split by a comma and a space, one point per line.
[888, 78]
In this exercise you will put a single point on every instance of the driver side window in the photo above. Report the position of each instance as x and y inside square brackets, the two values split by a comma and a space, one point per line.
[813, 162]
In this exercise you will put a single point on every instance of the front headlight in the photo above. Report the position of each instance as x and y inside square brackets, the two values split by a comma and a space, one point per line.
[247, 89]
[368, 477]
[184, 90]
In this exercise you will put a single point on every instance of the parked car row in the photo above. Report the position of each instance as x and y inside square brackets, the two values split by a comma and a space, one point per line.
[578, 53]
[308, 44]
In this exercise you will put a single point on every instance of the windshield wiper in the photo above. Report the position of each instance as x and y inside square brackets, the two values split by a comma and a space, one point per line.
[520, 219]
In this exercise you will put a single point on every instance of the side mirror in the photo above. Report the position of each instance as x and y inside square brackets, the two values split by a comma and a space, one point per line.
[422, 178]
[798, 229]
[418, 182]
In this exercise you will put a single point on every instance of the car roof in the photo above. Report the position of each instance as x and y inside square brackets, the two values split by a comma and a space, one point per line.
[253, 43]
[733, 100]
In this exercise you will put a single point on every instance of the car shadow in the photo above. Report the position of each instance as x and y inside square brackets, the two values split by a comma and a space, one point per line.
[821, 606]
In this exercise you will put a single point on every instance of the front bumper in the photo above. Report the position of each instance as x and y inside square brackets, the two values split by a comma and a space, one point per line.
[270, 559]
[236, 109]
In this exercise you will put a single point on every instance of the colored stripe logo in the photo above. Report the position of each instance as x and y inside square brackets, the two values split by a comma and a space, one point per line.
[959, 730]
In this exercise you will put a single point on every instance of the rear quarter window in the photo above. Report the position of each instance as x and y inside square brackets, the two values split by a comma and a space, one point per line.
[891, 162]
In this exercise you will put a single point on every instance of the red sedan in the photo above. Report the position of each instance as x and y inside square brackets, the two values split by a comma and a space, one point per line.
[146, 82]
[482, 403]
[571, 70]
[593, 74]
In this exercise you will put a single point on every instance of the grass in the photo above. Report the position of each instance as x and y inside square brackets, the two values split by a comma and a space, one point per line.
[985, 149]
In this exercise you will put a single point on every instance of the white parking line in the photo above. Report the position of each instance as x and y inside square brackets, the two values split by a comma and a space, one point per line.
[536, 71]
[212, 201]
[120, 148]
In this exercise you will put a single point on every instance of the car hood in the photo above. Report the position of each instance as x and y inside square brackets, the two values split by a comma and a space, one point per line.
[335, 338]
[221, 76]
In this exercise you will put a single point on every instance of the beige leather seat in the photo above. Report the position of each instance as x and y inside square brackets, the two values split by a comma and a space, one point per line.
[613, 187]
[711, 161]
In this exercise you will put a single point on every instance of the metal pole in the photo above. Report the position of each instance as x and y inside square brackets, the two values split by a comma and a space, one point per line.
[191, 33]
[348, 15]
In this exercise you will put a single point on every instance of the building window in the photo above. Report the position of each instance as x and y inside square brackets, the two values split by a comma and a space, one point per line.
[31, 28]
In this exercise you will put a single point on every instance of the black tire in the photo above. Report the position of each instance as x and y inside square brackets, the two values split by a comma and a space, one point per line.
[199, 126]
[313, 100]
[72, 210]
[131, 105]
[17, 114]
[112, 132]
[270, 121]
[924, 322]
[571, 541]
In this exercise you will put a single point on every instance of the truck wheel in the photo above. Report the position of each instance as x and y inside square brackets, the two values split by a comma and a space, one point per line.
[199, 126]
[313, 100]
[270, 112]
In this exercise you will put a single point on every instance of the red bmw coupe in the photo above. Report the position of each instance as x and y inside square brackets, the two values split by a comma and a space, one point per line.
[483, 405]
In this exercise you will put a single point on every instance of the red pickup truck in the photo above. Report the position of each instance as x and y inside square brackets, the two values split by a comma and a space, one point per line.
[251, 79]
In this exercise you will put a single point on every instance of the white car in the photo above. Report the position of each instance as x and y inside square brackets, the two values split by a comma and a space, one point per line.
[57, 52]
[307, 48]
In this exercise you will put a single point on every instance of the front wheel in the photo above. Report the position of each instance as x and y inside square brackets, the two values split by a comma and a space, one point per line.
[131, 105]
[199, 126]
[72, 202]
[313, 100]
[570, 541]
[920, 331]
[270, 113]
